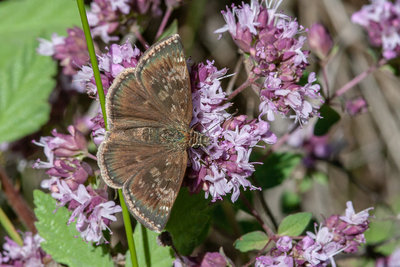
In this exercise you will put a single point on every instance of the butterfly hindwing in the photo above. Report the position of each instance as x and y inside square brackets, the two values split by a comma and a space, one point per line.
[151, 193]
[166, 78]
[124, 152]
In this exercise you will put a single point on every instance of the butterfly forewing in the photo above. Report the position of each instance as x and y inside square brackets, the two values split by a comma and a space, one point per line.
[166, 78]
[129, 104]
[152, 192]
[149, 109]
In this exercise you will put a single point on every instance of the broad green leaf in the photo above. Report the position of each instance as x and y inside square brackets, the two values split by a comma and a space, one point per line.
[148, 252]
[190, 221]
[276, 168]
[329, 118]
[62, 241]
[251, 241]
[294, 225]
[172, 29]
[22, 21]
[24, 91]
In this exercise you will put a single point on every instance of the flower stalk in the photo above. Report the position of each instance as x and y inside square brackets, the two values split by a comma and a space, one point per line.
[93, 59]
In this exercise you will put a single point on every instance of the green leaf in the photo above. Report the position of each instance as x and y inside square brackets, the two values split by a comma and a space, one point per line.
[379, 231]
[23, 21]
[190, 221]
[276, 168]
[172, 29]
[251, 241]
[148, 252]
[329, 118]
[62, 241]
[294, 225]
[24, 91]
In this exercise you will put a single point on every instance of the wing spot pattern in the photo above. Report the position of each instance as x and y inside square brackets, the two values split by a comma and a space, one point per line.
[155, 172]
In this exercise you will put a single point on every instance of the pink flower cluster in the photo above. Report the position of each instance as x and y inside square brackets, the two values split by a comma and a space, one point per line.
[381, 19]
[118, 58]
[104, 18]
[105, 15]
[338, 234]
[68, 173]
[71, 51]
[274, 43]
[222, 167]
[29, 254]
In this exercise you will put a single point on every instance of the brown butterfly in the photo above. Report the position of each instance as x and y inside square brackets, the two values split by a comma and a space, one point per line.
[149, 109]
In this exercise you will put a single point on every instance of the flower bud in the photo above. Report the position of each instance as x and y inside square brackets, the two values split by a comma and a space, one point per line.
[319, 40]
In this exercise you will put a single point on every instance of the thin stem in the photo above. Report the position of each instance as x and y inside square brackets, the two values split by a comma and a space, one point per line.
[100, 91]
[260, 252]
[265, 206]
[326, 82]
[164, 22]
[128, 229]
[9, 227]
[91, 156]
[140, 37]
[359, 78]
[17, 203]
[254, 212]
[93, 59]
[243, 86]
[230, 214]
[232, 81]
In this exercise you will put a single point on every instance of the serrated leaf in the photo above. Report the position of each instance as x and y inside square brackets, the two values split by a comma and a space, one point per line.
[251, 241]
[24, 91]
[62, 241]
[190, 221]
[148, 252]
[172, 29]
[276, 168]
[23, 21]
[329, 118]
[295, 224]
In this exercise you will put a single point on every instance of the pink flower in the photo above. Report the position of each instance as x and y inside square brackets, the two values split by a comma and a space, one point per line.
[356, 106]
[274, 43]
[223, 166]
[29, 254]
[71, 51]
[319, 40]
[352, 217]
[381, 19]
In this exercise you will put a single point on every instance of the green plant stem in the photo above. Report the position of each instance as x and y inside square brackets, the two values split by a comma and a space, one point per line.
[128, 229]
[93, 59]
[96, 72]
[9, 227]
